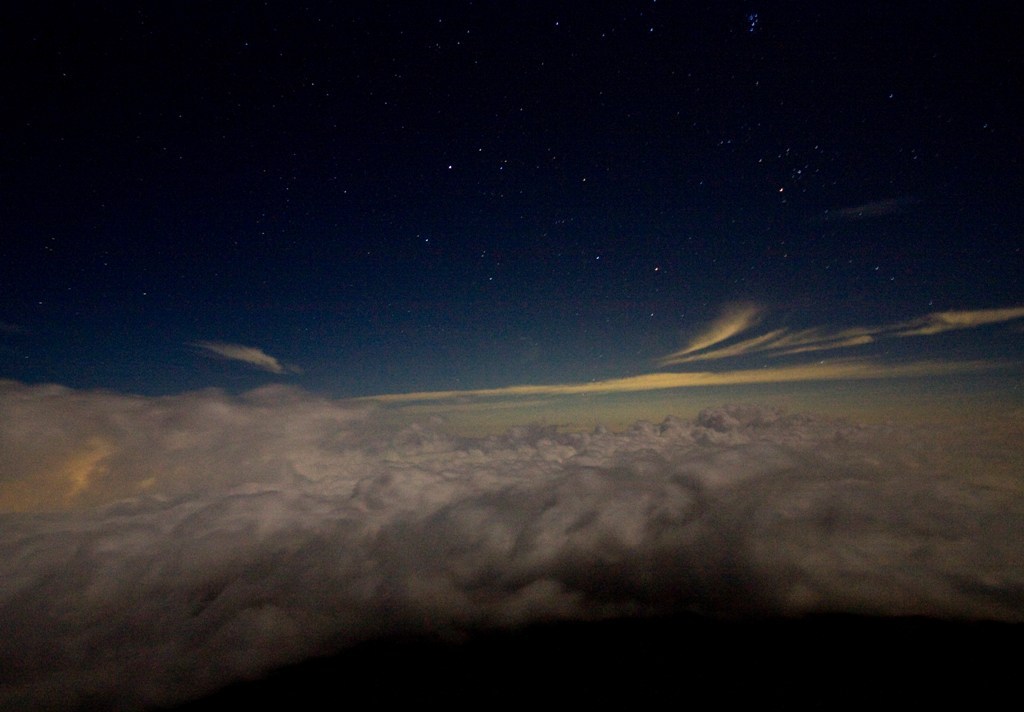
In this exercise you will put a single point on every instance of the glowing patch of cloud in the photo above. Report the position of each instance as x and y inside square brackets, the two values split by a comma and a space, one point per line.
[84, 466]
[246, 354]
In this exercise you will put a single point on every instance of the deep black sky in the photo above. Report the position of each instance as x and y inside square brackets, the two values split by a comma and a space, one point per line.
[408, 196]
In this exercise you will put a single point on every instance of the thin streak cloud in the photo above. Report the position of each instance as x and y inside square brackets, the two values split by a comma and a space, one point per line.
[735, 320]
[784, 343]
[824, 371]
[938, 322]
[738, 349]
[246, 354]
[780, 342]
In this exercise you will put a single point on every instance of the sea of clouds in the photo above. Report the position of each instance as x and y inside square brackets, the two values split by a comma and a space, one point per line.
[155, 549]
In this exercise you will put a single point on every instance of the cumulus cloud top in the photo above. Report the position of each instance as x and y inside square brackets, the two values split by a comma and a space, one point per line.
[156, 548]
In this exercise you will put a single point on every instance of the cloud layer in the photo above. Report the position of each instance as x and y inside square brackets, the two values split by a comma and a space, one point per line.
[154, 549]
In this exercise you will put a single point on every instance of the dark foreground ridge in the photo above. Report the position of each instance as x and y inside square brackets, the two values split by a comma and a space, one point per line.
[810, 662]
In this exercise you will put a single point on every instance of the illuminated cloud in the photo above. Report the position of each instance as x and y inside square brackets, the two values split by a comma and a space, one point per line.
[246, 354]
[752, 345]
[735, 320]
[782, 342]
[176, 544]
[938, 322]
[819, 371]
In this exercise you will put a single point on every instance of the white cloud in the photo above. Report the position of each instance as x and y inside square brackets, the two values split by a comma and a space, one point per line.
[162, 547]
[246, 354]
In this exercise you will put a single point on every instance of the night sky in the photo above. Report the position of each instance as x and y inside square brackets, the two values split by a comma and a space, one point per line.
[394, 197]
[328, 324]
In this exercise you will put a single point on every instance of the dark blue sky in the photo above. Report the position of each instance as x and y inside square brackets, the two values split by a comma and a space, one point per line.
[388, 197]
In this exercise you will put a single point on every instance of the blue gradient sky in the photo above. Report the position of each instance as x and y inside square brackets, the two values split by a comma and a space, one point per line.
[384, 198]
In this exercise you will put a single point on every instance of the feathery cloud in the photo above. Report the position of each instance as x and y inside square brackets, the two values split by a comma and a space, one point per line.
[782, 342]
[938, 322]
[246, 354]
[734, 320]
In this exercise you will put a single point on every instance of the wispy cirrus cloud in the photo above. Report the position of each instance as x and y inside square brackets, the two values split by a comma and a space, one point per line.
[782, 342]
[711, 345]
[251, 355]
[938, 322]
[735, 319]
